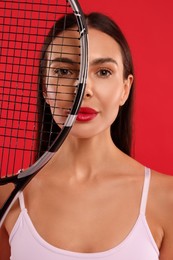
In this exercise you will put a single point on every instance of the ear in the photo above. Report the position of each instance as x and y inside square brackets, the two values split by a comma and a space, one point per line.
[44, 89]
[126, 91]
[44, 93]
[45, 96]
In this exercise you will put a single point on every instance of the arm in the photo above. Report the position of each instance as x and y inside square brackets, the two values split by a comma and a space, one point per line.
[4, 244]
[4, 237]
[166, 250]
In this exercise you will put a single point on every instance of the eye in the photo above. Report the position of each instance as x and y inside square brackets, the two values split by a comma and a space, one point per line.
[104, 73]
[63, 72]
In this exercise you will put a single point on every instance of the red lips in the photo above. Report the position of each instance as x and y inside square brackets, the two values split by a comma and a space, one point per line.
[86, 114]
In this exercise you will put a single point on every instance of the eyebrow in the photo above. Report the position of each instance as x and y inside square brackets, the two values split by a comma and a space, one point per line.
[103, 60]
[63, 60]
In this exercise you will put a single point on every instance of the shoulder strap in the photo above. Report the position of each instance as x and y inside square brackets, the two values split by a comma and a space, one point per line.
[145, 190]
[21, 201]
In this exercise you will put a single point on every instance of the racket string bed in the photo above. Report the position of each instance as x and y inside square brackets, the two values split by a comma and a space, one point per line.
[43, 68]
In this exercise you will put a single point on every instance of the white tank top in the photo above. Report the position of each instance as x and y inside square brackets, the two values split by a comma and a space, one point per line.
[27, 244]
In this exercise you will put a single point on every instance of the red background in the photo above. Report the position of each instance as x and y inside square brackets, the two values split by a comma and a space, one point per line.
[148, 27]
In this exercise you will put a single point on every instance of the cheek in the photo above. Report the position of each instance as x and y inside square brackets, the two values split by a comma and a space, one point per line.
[60, 92]
[110, 114]
[60, 100]
[110, 105]
[111, 101]
[110, 91]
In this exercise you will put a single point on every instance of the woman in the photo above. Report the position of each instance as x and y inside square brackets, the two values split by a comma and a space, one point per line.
[100, 203]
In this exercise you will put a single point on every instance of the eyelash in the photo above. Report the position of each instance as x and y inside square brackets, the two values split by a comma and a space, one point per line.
[107, 71]
[63, 72]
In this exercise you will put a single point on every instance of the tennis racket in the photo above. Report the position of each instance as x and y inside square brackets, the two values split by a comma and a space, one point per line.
[43, 69]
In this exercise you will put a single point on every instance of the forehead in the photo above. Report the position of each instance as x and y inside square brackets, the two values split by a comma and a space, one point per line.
[66, 43]
[101, 44]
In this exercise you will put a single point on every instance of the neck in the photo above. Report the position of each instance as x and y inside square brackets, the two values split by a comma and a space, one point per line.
[85, 157]
[89, 150]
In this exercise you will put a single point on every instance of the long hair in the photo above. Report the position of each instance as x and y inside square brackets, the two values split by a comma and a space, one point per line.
[121, 129]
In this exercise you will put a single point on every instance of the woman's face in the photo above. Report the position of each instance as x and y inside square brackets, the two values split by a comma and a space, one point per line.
[106, 89]
[62, 69]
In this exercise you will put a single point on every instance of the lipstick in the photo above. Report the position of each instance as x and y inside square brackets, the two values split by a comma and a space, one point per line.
[86, 114]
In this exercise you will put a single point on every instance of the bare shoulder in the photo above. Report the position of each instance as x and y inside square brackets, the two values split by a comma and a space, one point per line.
[161, 190]
[162, 186]
[5, 191]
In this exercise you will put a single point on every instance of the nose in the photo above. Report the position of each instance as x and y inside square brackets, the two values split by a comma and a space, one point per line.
[89, 89]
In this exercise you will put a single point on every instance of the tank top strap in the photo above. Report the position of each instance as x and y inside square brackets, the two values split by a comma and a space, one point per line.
[21, 201]
[145, 190]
